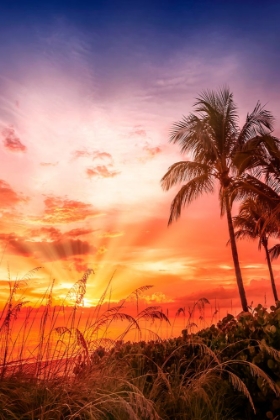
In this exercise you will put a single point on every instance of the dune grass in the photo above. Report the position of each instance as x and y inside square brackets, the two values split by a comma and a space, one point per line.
[74, 370]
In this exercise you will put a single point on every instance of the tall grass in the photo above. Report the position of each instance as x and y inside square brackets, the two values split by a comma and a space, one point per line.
[75, 370]
[65, 337]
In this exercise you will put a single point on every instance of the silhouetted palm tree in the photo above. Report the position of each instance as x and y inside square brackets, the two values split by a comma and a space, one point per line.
[258, 163]
[254, 222]
[212, 137]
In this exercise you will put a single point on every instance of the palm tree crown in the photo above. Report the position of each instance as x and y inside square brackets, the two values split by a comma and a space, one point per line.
[212, 139]
[254, 222]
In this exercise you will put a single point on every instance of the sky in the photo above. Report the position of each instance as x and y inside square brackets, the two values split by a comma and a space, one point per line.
[88, 94]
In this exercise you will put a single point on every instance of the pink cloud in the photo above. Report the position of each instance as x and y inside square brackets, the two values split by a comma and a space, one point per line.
[102, 155]
[49, 163]
[152, 151]
[11, 141]
[138, 131]
[92, 154]
[82, 153]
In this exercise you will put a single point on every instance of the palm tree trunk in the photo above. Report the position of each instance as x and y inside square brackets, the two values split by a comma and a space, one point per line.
[270, 272]
[235, 258]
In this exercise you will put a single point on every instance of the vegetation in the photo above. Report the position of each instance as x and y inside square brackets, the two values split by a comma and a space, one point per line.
[76, 371]
[223, 152]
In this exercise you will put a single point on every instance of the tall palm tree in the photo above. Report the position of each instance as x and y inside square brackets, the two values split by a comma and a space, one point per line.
[254, 222]
[212, 137]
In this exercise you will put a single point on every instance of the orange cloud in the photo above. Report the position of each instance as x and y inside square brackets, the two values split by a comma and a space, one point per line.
[15, 244]
[79, 232]
[54, 234]
[59, 210]
[79, 265]
[11, 141]
[111, 234]
[50, 251]
[62, 249]
[8, 197]
[102, 171]
[47, 233]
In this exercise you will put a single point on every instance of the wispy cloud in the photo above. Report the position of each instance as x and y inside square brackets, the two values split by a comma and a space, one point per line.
[50, 233]
[138, 131]
[111, 234]
[79, 232]
[101, 155]
[152, 151]
[101, 171]
[11, 140]
[81, 153]
[92, 154]
[49, 163]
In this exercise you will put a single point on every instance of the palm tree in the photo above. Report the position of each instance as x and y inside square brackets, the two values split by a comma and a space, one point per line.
[212, 137]
[254, 222]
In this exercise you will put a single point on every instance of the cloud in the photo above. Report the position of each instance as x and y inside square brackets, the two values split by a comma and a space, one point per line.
[79, 232]
[92, 154]
[59, 210]
[15, 244]
[11, 141]
[63, 249]
[8, 197]
[82, 153]
[101, 171]
[49, 163]
[79, 264]
[138, 131]
[152, 151]
[46, 233]
[102, 155]
[51, 251]
[110, 234]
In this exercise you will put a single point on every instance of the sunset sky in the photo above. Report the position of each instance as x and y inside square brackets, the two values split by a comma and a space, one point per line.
[88, 94]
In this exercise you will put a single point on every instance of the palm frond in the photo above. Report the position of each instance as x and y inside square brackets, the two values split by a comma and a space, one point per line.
[250, 186]
[274, 252]
[257, 122]
[245, 234]
[181, 172]
[195, 135]
[189, 192]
